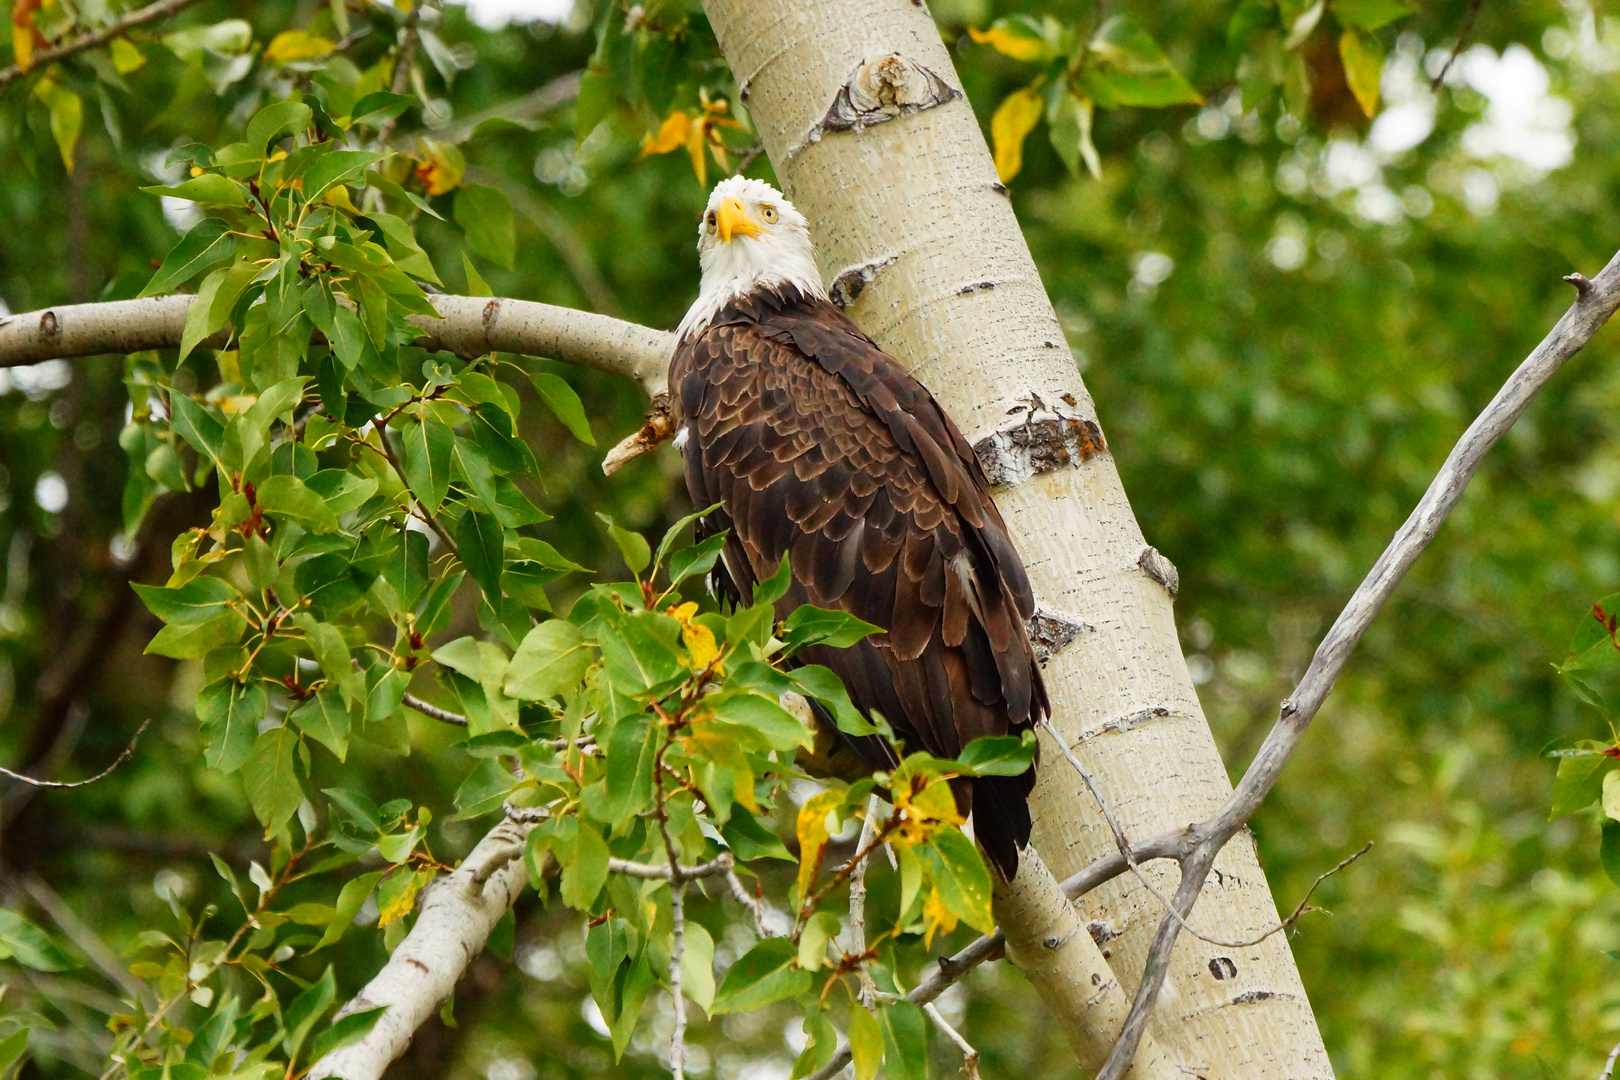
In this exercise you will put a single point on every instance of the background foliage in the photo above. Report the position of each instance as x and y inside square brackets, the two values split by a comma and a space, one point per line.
[1285, 319]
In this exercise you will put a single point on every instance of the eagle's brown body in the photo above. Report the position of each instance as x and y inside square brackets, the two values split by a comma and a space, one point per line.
[819, 445]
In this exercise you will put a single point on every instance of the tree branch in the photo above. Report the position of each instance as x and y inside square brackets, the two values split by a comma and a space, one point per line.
[44, 57]
[457, 916]
[467, 325]
[117, 761]
[1196, 846]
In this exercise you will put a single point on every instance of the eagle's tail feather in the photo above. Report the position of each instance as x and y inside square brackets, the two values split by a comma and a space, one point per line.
[1001, 820]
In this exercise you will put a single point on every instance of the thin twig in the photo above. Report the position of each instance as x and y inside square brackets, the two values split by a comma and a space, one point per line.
[755, 906]
[1124, 845]
[117, 761]
[1464, 30]
[1196, 846]
[718, 866]
[857, 900]
[433, 711]
[748, 157]
[970, 1056]
[1608, 1064]
[96, 37]
[949, 971]
[677, 950]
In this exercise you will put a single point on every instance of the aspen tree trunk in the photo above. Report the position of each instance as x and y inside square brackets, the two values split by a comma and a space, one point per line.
[859, 107]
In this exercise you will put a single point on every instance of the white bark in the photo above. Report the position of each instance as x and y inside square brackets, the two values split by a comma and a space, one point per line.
[468, 326]
[913, 228]
[457, 914]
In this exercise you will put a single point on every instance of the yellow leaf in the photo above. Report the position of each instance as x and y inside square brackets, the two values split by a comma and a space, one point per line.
[338, 196]
[936, 916]
[67, 116]
[1363, 66]
[701, 644]
[440, 168]
[1017, 46]
[400, 904]
[293, 45]
[671, 135]
[22, 44]
[125, 56]
[694, 147]
[1014, 119]
[812, 830]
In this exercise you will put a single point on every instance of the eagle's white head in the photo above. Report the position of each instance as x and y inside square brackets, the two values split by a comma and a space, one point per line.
[750, 238]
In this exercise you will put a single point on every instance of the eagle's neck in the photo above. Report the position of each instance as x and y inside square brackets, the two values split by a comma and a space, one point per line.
[746, 266]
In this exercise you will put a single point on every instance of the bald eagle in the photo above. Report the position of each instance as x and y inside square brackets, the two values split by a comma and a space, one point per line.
[819, 446]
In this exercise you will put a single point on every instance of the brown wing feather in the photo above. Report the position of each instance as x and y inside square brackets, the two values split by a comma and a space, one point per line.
[820, 445]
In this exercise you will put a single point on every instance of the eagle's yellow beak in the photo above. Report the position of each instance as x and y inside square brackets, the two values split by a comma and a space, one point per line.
[732, 220]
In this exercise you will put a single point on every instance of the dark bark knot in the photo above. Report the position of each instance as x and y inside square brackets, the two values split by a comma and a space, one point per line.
[1041, 438]
[1051, 631]
[1160, 569]
[1223, 968]
[50, 327]
[850, 283]
[492, 314]
[878, 90]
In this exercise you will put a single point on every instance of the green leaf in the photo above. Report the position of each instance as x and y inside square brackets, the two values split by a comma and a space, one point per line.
[586, 872]
[330, 582]
[486, 216]
[998, 755]
[815, 681]
[230, 712]
[1609, 850]
[763, 714]
[276, 121]
[821, 1042]
[774, 587]
[334, 167]
[481, 542]
[1128, 68]
[1580, 781]
[749, 840]
[215, 1035]
[764, 974]
[1369, 14]
[865, 1043]
[564, 404]
[66, 111]
[206, 245]
[325, 718]
[196, 425]
[697, 966]
[305, 1010]
[380, 106]
[697, 559]
[209, 189]
[970, 899]
[810, 625]
[30, 946]
[1363, 61]
[341, 490]
[476, 285]
[351, 898]
[632, 545]
[286, 497]
[408, 254]
[15, 1045]
[1068, 123]
[270, 777]
[346, 1031]
[819, 929]
[905, 1041]
[197, 601]
[552, 659]
[428, 448]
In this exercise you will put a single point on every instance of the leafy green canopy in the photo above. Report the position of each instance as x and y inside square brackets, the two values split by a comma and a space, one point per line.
[343, 456]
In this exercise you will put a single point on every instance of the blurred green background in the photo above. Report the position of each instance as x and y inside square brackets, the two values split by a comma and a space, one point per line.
[1286, 323]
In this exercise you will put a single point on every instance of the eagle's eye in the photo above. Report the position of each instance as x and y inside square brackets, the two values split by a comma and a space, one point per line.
[713, 222]
[768, 213]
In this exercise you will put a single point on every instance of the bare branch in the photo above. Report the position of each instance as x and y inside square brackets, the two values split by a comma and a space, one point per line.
[677, 950]
[467, 325]
[754, 904]
[433, 712]
[1464, 30]
[1608, 1064]
[457, 915]
[719, 866]
[160, 10]
[857, 900]
[1196, 846]
[117, 761]
[970, 1056]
